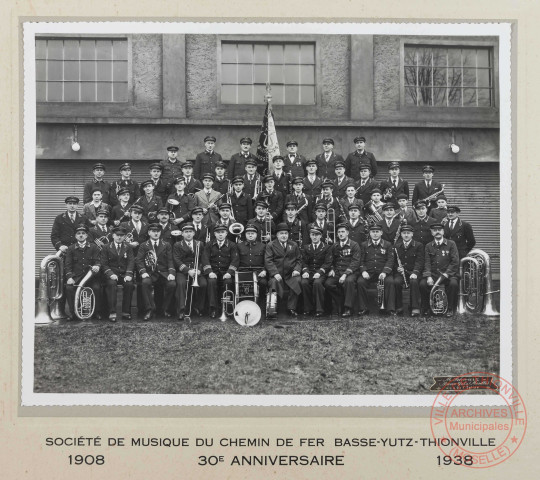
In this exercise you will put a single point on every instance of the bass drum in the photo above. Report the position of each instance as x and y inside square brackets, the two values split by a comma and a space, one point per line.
[247, 313]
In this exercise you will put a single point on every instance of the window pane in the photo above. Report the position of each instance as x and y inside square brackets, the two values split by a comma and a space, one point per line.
[292, 53]
[261, 54]
[71, 92]
[425, 97]
[245, 93]
[483, 58]
[120, 71]
[469, 77]
[88, 71]
[439, 57]
[454, 97]
[104, 71]
[228, 53]
[104, 49]
[259, 91]
[120, 91]
[469, 97]
[88, 92]
[291, 74]
[410, 76]
[276, 53]
[410, 56]
[307, 74]
[277, 94]
[54, 91]
[484, 77]
[424, 76]
[292, 95]
[228, 94]
[41, 70]
[454, 57]
[307, 95]
[484, 97]
[410, 96]
[307, 53]
[245, 75]
[55, 68]
[71, 70]
[439, 97]
[104, 92]
[71, 49]
[424, 57]
[469, 57]
[120, 50]
[276, 74]
[88, 49]
[41, 48]
[454, 77]
[260, 73]
[228, 74]
[55, 49]
[439, 77]
[41, 89]
[245, 53]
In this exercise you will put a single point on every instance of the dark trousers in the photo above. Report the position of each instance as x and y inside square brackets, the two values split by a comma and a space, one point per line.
[414, 290]
[364, 284]
[452, 289]
[215, 293]
[313, 293]
[342, 294]
[199, 293]
[160, 283]
[282, 288]
[263, 287]
[94, 284]
[111, 290]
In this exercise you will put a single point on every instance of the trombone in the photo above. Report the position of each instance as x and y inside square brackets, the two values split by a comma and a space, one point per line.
[195, 281]
[331, 230]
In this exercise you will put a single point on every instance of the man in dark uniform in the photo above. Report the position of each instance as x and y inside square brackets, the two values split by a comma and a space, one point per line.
[302, 202]
[155, 266]
[63, 229]
[205, 162]
[251, 177]
[347, 202]
[321, 221]
[360, 157]
[283, 262]
[136, 228]
[394, 185]
[241, 202]
[298, 230]
[172, 166]
[410, 254]
[221, 263]
[341, 282]
[312, 182]
[405, 212]
[441, 260]
[331, 202]
[101, 233]
[161, 189]
[225, 220]
[237, 164]
[202, 230]
[377, 264]
[294, 163]
[120, 212]
[149, 202]
[422, 224]
[124, 182]
[390, 223]
[261, 222]
[341, 182]
[459, 231]
[427, 188]
[357, 225]
[193, 185]
[184, 261]
[169, 233]
[221, 182]
[365, 185]
[281, 179]
[184, 203]
[273, 198]
[118, 265]
[327, 159]
[97, 181]
[81, 257]
[316, 263]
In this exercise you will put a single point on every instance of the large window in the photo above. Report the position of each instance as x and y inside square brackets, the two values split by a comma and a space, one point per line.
[81, 70]
[448, 76]
[247, 67]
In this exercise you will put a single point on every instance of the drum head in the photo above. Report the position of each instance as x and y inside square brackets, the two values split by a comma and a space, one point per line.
[247, 313]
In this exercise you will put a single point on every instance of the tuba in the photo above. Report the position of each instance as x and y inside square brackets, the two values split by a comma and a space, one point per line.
[51, 289]
[237, 229]
[438, 300]
[475, 285]
[85, 300]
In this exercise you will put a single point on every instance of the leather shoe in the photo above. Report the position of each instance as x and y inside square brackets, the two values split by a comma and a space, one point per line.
[450, 313]
[346, 313]
[148, 315]
[415, 313]
[361, 313]
[112, 317]
[167, 315]
[126, 316]
[292, 313]
[213, 313]
[319, 314]
[393, 313]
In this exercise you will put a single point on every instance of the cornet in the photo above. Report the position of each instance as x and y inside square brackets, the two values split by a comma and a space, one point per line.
[227, 304]
[102, 241]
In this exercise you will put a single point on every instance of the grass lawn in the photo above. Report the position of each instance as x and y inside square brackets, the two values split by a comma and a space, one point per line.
[373, 355]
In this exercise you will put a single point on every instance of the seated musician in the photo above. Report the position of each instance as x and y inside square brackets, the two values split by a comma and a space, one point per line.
[120, 212]
[251, 255]
[390, 223]
[410, 253]
[316, 263]
[441, 260]
[118, 265]
[149, 201]
[155, 266]
[101, 233]
[341, 281]
[186, 203]
[81, 257]
[303, 202]
[283, 262]
[184, 261]
[261, 221]
[376, 264]
[298, 231]
[221, 262]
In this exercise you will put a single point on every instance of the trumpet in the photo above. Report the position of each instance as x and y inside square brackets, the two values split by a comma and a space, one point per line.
[102, 241]
[227, 304]
[236, 229]
[85, 301]
[195, 281]
[380, 293]
[129, 236]
[438, 300]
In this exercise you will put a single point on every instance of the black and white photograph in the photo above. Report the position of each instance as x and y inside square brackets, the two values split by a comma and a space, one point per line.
[226, 214]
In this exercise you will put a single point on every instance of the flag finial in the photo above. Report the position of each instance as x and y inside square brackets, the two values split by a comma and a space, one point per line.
[268, 95]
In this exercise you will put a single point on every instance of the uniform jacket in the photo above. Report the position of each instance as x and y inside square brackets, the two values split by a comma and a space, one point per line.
[355, 159]
[221, 260]
[364, 192]
[90, 210]
[184, 257]
[63, 229]
[462, 235]
[421, 191]
[330, 202]
[192, 186]
[80, 260]
[150, 206]
[117, 213]
[408, 214]
[295, 165]
[221, 185]
[346, 202]
[358, 232]
[317, 260]
[340, 188]
[377, 259]
[282, 184]
[284, 262]
[201, 234]
[312, 189]
[161, 189]
[300, 201]
[443, 259]
[183, 209]
[230, 236]
[131, 185]
[206, 163]
[438, 214]
[171, 170]
[298, 229]
[323, 226]
[326, 169]
[249, 185]
[96, 232]
[346, 259]
[402, 187]
[260, 224]
[422, 230]
[412, 257]
[140, 236]
[166, 235]
[103, 185]
[389, 232]
[237, 165]
[251, 255]
[117, 263]
[204, 201]
[164, 265]
[276, 204]
[242, 207]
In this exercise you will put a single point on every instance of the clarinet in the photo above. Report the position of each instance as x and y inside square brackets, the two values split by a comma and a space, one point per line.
[405, 283]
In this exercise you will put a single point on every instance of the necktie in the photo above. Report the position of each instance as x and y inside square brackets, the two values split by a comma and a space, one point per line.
[363, 183]
[284, 245]
[117, 248]
[327, 156]
[208, 195]
[72, 217]
[395, 183]
[138, 227]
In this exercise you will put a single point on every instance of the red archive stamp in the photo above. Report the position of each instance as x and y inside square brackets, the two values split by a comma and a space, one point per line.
[477, 436]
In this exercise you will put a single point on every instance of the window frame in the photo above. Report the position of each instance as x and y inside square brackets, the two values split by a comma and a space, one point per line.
[128, 37]
[494, 52]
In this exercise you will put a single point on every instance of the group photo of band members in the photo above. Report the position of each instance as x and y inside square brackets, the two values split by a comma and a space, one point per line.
[328, 236]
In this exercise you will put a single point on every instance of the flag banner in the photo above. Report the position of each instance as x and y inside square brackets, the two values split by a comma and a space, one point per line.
[268, 146]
